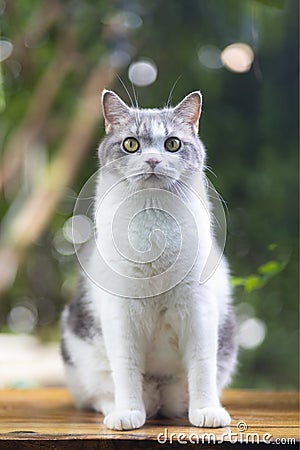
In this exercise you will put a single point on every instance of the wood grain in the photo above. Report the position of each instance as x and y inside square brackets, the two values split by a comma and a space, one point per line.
[47, 418]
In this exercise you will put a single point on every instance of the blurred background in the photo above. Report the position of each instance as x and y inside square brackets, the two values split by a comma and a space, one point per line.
[56, 57]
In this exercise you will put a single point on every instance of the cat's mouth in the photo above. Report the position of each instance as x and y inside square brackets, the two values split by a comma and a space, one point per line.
[154, 178]
[152, 175]
[144, 176]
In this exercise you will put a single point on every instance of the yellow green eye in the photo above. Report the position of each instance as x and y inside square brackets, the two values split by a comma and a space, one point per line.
[173, 144]
[131, 145]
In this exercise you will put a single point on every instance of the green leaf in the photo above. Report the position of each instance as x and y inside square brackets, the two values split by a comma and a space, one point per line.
[254, 282]
[237, 281]
[272, 247]
[270, 268]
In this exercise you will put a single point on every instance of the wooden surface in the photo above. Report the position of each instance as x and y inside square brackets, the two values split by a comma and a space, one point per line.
[47, 418]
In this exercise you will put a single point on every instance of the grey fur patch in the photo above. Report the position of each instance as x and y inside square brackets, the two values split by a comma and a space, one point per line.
[81, 318]
[160, 380]
[65, 352]
[227, 337]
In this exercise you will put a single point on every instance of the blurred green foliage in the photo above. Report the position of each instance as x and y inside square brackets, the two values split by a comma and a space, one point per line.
[264, 274]
[249, 125]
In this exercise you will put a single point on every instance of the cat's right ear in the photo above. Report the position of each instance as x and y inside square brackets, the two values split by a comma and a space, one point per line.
[114, 110]
[189, 109]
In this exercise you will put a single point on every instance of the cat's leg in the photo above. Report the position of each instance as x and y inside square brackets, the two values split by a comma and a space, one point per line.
[126, 353]
[199, 350]
[88, 375]
[94, 391]
[227, 350]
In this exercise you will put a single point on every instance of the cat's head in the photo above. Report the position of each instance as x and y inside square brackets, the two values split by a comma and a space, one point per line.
[152, 147]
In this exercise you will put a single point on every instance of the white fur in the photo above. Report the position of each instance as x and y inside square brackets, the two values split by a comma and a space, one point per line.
[156, 353]
[165, 336]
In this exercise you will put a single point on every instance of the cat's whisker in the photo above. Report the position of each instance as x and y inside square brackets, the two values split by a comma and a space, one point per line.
[172, 90]
[181, 186]
[135, 96]
[134, 103]
[209, 169]
[180, 190]
[215, 220]
[126, 90]
[218, 196]
[211, 188]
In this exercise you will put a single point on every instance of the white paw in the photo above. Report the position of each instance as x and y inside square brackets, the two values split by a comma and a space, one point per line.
[127, 419]
[211, 417]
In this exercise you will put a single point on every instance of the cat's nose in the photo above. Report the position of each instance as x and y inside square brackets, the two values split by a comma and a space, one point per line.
[153, 162]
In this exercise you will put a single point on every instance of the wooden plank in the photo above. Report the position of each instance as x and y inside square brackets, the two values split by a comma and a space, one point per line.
[38, 416]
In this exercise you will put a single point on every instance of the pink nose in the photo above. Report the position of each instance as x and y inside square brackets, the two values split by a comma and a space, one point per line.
[153, 162]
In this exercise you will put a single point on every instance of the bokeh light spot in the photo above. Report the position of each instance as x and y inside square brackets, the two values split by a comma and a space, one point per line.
[119, 58]
[142, 73]
[15, 67]
[6, 48]
[210, 57]
[237, 57]
[61, 245]
[244, 311]
[252, 333]
[2, 7]
[22, 319]
[78, 229]
[131, 20]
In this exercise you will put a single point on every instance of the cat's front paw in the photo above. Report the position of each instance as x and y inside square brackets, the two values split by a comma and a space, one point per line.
[127, 419]
[211, 417]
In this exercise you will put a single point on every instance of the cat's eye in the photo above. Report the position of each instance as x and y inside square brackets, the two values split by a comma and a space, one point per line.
[173, 144]
[131, 145]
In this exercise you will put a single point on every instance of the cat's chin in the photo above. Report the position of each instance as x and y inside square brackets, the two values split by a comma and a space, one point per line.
[155, 182]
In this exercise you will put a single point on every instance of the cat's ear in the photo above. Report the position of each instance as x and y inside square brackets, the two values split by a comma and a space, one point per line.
[114, 109]
[189, 109]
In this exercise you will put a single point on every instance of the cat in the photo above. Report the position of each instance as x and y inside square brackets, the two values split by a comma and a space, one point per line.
[144, 335]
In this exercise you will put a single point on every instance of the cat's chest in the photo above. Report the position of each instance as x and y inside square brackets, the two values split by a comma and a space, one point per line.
[155, 237]
[154, 233]
[145, 235]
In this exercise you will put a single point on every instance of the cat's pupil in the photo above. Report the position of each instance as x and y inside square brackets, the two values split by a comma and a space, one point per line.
[131, 145]
[173, 144]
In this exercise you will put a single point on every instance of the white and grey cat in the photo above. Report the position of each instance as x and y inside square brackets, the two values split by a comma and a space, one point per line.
[153, 339]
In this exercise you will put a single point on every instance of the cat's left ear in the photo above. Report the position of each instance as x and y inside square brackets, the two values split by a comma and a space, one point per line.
[114, 110]
[189, 109]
